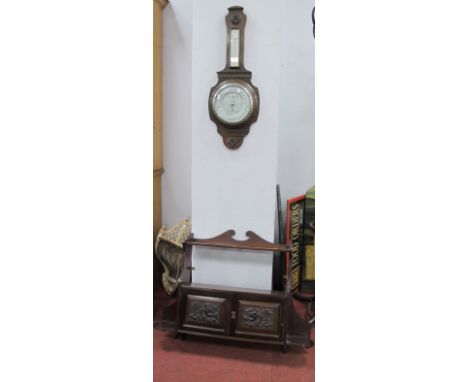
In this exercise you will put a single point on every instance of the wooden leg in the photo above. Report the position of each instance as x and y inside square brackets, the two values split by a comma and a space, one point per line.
[285, 348]
[183, 336]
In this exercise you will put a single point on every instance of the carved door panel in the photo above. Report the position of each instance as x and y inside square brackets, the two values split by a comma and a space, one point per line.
[224, 313]
[258, 318]
[207, 314]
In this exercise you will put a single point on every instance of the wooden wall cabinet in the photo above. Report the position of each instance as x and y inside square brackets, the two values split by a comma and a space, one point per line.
[240, 314]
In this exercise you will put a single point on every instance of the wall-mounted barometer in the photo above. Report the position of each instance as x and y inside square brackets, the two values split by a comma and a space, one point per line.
[234, 102]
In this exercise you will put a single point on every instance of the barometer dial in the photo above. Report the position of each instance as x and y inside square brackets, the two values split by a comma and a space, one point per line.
[232, 103]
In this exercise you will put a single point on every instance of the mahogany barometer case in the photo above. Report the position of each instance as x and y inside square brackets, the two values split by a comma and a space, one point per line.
[234, 102]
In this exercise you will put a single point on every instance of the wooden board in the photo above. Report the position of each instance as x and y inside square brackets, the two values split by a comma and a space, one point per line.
[158, 6]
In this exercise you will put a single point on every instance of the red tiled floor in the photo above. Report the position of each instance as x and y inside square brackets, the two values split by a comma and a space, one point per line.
[208, 360]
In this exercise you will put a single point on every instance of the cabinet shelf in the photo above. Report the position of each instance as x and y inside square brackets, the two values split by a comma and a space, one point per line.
[226, 240]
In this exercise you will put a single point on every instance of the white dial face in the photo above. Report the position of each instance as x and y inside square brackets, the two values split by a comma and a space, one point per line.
[232, 103]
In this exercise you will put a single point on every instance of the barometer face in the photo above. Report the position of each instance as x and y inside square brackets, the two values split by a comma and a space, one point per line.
[232, 102]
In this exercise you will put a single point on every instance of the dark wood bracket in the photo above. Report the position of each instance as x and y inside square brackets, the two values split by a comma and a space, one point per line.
[226, 240]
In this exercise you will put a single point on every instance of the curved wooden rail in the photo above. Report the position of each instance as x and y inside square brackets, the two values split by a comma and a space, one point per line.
[226, 240]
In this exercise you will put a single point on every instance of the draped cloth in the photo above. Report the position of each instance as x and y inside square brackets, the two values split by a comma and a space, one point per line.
[170, 252]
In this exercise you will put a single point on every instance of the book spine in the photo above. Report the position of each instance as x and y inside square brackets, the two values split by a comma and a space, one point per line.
[295, 221]
[308, 274]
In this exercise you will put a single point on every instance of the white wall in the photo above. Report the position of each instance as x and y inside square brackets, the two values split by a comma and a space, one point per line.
[296, 156]
[177, 109]
[235, 188]
[285, 29]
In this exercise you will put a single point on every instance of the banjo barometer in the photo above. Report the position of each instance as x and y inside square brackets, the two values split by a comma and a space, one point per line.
[234, 102]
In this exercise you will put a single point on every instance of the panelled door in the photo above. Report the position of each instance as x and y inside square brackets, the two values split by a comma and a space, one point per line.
[254, 318]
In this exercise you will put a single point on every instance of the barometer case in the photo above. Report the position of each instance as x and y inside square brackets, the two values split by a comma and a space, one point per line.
[234, 101]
